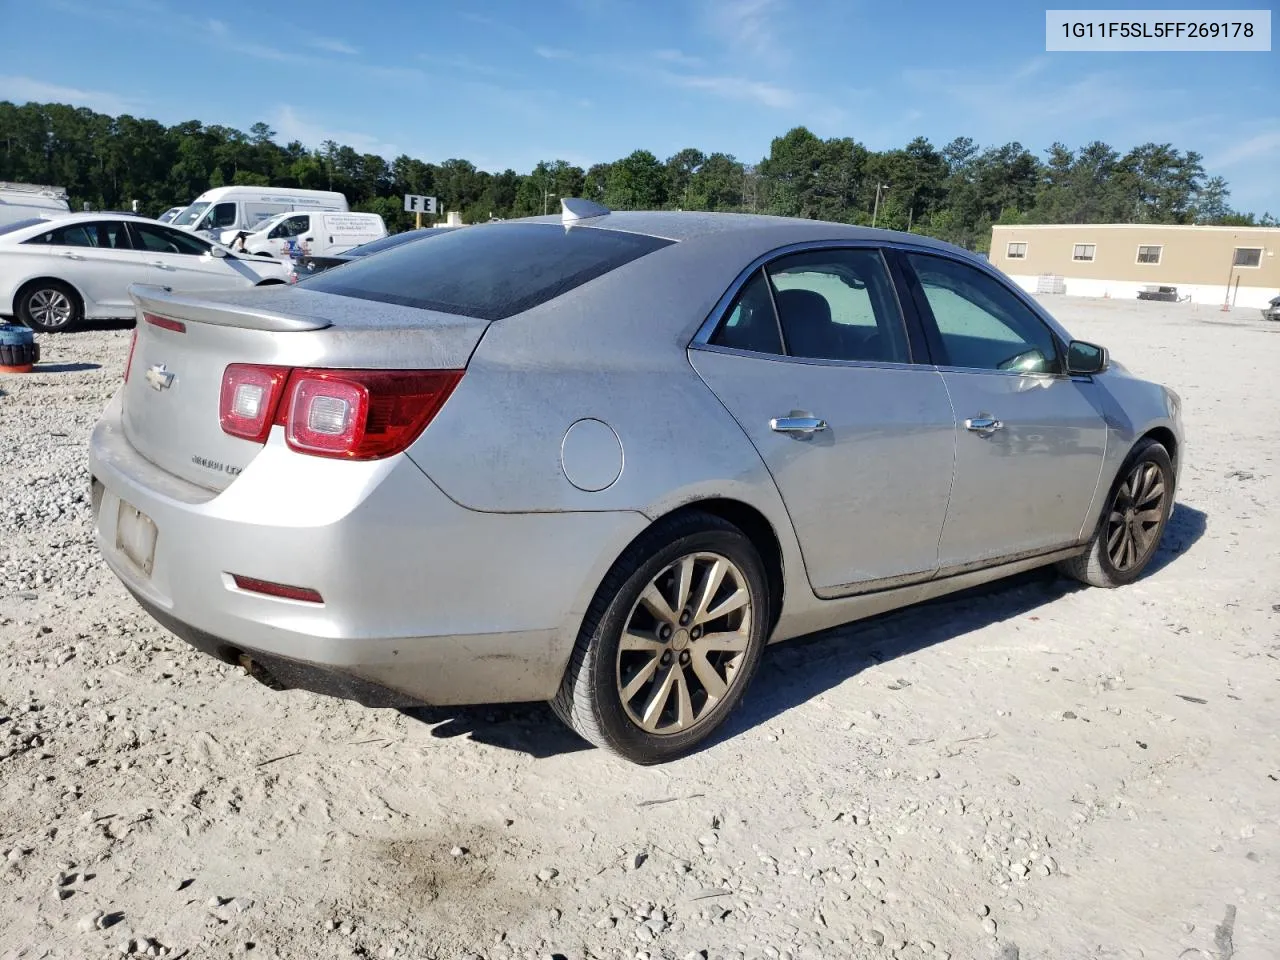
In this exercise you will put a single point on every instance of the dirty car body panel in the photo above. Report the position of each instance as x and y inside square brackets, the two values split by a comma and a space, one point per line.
[459, 567]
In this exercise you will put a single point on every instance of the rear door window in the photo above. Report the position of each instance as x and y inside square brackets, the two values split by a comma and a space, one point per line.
[110, 235]
[488, 272]
[838, 305]
[751, 323]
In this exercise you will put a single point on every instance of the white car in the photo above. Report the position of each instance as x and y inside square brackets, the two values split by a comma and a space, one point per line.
[55, 273]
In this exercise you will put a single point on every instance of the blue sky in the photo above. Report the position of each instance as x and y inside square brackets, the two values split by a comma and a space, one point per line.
[510, 82]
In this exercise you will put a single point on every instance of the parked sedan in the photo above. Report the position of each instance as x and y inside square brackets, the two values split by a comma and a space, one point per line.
[603, 459]
[55, 273]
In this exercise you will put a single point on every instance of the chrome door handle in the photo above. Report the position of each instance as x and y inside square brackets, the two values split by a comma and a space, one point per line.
[983, 424]
[72, 256]
[801, 426]
[161, 264]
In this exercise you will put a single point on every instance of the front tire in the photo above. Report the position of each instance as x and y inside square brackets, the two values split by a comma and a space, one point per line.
[49, 306]
[670, 642]
[1132, 522]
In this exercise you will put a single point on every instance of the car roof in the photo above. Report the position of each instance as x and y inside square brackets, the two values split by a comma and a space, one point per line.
[689, 225]
[63, 218]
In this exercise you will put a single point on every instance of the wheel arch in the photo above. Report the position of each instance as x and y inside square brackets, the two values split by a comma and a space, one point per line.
[757, 528]
[26, 285]
[1167, 439]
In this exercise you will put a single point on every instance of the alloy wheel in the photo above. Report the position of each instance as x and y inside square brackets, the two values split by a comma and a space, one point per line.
[684, 644]
[50, 308]
[1137, 516]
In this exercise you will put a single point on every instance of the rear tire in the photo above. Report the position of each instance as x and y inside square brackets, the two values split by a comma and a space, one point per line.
[49, 306]
[691, 597]
[1132, 522]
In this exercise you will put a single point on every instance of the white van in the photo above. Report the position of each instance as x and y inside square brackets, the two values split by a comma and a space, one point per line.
[315, 234]
[223, 212]
[27, 201]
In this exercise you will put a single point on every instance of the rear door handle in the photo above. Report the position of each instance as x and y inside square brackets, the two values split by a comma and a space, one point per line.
[71, 256]
[797, 426]
[985, 425]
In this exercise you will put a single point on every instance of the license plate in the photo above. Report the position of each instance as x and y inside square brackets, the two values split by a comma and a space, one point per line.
[136, 537]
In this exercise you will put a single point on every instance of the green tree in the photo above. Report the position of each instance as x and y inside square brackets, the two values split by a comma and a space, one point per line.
[636, 182]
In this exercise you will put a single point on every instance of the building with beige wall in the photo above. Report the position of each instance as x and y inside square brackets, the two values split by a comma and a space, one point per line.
[1211, 265]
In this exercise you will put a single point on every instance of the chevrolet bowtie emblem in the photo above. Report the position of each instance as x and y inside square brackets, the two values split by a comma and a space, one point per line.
[159, 377]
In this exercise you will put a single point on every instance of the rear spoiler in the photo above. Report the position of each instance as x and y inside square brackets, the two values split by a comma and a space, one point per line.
[153, 298]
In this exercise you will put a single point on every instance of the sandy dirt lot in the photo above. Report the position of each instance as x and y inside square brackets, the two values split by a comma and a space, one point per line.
[1033, 770]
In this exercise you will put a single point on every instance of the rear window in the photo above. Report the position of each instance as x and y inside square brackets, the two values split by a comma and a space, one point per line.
[394, 240]
[488, 272]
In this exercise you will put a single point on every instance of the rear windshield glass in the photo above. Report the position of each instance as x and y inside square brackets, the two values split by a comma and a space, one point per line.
[489, 272]
[395, 239]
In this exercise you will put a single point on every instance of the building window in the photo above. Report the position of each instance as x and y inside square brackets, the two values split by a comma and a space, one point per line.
[1150, 254]
[1247, 257]
[1084, 251]
[1016, 251]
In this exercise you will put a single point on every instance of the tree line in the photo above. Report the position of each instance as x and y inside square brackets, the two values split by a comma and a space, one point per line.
[955, 192]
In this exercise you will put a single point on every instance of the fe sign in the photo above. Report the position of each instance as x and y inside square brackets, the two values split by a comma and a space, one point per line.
[416, 204]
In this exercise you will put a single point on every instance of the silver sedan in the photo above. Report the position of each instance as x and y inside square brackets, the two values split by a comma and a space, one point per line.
[602, 459]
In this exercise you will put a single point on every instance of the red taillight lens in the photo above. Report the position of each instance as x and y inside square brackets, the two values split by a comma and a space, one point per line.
[128, 361]
[247, 403]
[326, 414]
[362, 414]
[349, 414]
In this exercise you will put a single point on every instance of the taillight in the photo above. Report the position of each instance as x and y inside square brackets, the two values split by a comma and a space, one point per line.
[348, 414]
[362, 414]
[128, 361]
[248, 400]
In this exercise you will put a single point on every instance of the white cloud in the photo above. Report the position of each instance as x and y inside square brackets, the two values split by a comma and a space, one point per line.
[749, 28]
[1265, 144]
[1101, 95]
[29, 89]
[291, 125]
[464, 64]
[678, 57]
[735, 88]
[331, 45]
[553, 53]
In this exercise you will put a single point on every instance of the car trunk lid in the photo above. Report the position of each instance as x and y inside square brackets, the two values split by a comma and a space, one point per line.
[184, 343]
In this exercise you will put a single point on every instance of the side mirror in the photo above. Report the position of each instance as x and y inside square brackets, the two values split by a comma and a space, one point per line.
[1085, 358]
[219, 252]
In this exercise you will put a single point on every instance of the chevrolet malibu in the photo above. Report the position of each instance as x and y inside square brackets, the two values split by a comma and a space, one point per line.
[602, 459]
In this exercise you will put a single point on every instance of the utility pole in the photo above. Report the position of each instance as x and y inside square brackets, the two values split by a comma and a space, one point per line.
[875, 212]
[546, 194]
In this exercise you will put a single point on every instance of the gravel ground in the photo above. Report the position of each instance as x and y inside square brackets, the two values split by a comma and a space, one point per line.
[1031, 770]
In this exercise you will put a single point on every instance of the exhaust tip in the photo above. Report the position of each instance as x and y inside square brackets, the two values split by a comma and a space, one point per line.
[259, 672]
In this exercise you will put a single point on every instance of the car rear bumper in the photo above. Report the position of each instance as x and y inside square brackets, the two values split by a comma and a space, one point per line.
[424, 601]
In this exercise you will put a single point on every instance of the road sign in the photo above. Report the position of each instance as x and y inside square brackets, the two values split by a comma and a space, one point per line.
[416, 204]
